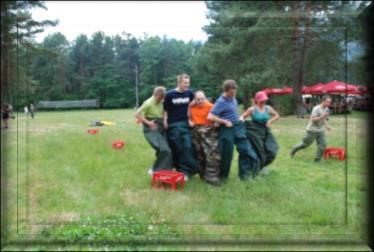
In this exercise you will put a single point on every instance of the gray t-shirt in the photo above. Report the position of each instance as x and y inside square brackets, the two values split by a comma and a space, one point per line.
[317, 126]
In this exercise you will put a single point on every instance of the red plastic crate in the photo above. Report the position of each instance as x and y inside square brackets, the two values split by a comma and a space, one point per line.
[93, 131]
[118, 144]
[166, 177]
[334, 151]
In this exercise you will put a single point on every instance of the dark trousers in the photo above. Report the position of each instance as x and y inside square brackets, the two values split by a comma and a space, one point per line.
[248, 160]
[180, 142]
[157, 139]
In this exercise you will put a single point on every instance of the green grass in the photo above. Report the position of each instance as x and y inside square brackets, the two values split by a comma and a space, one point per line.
[73, 186]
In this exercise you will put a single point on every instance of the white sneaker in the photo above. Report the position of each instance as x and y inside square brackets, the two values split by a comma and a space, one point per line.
[150, 172]
[185, 178]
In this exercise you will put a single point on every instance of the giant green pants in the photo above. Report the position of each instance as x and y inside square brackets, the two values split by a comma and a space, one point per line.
[308, 140]
[157, 139]
[248, 160]
[180, 143]
[262, 141]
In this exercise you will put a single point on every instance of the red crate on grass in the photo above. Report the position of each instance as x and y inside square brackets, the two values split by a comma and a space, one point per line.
[118, 144]
[334, 151]
[166, 177]
[93, 131]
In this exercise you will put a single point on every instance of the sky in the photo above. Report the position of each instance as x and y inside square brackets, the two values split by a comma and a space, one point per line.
[181, 20]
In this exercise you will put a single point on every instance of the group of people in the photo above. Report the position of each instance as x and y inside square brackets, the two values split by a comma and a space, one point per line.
[193, 135]
[7, 110]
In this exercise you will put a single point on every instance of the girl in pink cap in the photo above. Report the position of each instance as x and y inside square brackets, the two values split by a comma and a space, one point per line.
[258, 130]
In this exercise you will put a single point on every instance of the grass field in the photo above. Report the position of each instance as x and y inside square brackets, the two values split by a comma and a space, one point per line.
[73, 186]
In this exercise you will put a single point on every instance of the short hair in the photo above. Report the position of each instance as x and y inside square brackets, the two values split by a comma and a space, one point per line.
[159, 90]
[199, 91]
[325, 97]
[228, 85]
[181, 76]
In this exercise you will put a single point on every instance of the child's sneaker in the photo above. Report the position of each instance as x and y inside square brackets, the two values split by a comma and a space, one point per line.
[150, 172]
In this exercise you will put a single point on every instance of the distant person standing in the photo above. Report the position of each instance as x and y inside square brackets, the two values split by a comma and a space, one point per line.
[26, 110]
[32, 110]
[5, 110]
[315, 129]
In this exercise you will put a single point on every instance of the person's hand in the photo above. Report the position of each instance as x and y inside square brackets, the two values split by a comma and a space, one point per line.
[328, 128]
[152, 125]
[166, 125]
[268, 124]
[228, 124]
[326, 114]
[216, 125]
[191, 123]
[241, 118]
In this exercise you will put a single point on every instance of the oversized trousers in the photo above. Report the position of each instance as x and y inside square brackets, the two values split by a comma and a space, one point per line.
[249, 162]
[180, 142]
[157, 139]
[205, 141]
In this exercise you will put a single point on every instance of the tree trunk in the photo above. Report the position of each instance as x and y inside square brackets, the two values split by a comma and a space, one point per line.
[297, 53]
[301, 45]
[5, 89]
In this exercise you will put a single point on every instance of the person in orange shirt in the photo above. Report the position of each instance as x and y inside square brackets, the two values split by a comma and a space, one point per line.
[205, 139]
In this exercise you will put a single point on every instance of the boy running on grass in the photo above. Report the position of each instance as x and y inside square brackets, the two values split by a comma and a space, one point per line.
[150, 114]
[232, 132]
[205, 139]
[315, 129]
[176, 105]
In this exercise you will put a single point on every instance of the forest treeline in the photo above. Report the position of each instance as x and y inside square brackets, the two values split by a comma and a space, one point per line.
[258, 43]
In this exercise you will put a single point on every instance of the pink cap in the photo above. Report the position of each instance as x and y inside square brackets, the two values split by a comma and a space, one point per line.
[261, 96]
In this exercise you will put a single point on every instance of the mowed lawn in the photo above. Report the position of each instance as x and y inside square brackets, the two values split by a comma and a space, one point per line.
[67, 178]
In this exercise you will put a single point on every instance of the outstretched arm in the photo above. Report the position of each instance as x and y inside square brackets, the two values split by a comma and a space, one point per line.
[274, 114]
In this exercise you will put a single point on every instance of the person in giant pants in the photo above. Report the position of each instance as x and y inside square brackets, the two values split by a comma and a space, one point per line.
[176, 105]
[232, 132]
[150, 114]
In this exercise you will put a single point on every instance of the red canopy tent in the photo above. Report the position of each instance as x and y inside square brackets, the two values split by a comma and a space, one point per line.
[338, 87]
[316, 89]
[277, 91]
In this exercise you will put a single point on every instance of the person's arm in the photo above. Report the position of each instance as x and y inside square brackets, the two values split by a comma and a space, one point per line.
[216, 119]
[165, 113]
[190, 122]
[247, 113]
[316, 118]
[327, 126]
[144, 120]
[141, 118]
[274, 114]
[165, 120]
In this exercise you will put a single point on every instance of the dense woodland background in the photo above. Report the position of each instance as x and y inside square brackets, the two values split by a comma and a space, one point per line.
[259, 44]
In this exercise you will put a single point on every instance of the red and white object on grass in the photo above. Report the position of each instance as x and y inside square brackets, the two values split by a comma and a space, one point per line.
[334, 151]
[166, 177]
[118, 144]
[93, 131]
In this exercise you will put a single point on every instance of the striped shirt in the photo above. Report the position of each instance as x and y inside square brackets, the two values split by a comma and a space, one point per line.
[226, 108]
